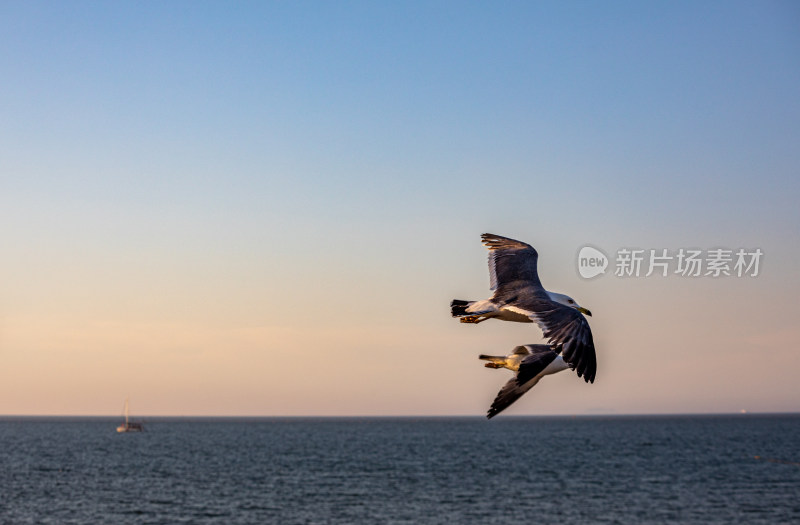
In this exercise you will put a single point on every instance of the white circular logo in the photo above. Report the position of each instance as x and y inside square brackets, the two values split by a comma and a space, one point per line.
[591, 262]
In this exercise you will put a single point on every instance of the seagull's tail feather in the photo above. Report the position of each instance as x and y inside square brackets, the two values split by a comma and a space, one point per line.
[458, 307]
[495, 361]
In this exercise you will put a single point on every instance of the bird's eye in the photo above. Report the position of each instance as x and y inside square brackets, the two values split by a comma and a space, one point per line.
[570, 301]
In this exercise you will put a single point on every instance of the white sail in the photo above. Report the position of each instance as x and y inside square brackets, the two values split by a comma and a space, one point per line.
[129, 426]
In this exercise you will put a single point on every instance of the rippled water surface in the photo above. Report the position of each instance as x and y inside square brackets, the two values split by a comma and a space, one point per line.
[688, 469]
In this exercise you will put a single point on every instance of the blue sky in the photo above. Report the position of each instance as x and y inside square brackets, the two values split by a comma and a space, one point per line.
[202, 189]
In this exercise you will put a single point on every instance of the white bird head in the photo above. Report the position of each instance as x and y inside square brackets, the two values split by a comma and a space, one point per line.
[566, 300]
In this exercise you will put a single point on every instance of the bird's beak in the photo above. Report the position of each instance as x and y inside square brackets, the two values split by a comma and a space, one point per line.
[584, 311]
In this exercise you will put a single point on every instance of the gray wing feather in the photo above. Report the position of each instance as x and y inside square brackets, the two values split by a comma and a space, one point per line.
[510, 261]
[566, 329]
[532, 366]
[510, 392]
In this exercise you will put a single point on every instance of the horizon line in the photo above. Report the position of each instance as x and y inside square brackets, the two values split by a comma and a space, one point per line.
[403, 416]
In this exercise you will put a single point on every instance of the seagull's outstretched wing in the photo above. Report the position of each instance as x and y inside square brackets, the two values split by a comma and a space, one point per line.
[511, 261]
[528, 376]
[568, 329]
[510, 392]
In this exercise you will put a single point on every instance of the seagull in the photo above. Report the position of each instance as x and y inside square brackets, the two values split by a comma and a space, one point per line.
[531, 363]
[520, 297]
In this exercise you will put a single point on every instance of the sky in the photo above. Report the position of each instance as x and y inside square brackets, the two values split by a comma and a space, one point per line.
[265, 208]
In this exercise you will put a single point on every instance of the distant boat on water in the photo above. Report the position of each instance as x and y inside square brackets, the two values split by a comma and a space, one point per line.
[129, 426]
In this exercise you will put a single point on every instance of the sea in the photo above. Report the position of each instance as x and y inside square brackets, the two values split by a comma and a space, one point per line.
[742, 469]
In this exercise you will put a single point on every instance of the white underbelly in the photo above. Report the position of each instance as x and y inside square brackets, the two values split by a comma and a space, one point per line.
[514, 315]
[557, 365]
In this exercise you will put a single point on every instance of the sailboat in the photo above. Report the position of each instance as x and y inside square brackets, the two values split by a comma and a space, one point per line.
[129, 426]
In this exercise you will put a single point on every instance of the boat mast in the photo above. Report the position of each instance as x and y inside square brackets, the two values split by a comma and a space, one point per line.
[126, 411]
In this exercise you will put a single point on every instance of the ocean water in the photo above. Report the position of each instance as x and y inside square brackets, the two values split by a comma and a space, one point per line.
[657, 469]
